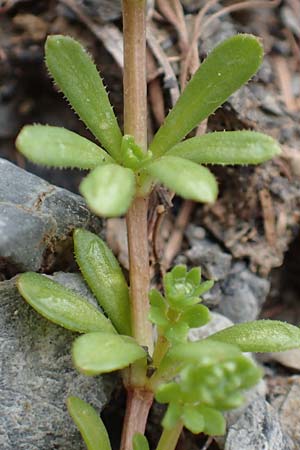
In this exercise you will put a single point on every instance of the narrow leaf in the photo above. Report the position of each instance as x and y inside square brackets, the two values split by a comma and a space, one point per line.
[187, 179]
[231, 64]
[105, 278]
[109, 190]
[228, 147]
[77, 76]
[140, 442]
[89, 424]
[61, 305]
[260, 336]
[58, 147]
[96, 353]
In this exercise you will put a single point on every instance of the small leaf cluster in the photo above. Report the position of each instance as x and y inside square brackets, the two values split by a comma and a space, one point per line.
[120, 168]
[179, 310]
[202, 391]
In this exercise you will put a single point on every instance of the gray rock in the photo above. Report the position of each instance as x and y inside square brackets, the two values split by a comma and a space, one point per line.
[258, 428]
[214, 262]
[37, 220]
[36, 376]
[217, 323]
[285, 398]
[243, 294]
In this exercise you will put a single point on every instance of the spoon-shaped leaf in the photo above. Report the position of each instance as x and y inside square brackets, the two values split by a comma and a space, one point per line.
[77, 76]
[260, 336]
[89, 424]
[58, 147]
[231, 64]
[105, 278]
[96, 353]
[228, 147]
[187, 179]
[109, 190]
[61, 305]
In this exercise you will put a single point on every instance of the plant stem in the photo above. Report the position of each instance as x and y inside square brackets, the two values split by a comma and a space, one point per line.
[135, 123]
[138, 404]
[139, 399]
[169, 438]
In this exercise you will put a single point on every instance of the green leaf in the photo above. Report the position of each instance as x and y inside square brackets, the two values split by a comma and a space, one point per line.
[104, 276]
[260, 336]
[193, 419]
[215, 424]
[61, 305]
[58, 147]
[96, 353]
[200, 352]
[231, 64]
[109, 190]
[89, 424]
[77, 76]
[187, 179]
[228, 147]
[140, 442]
[196, 316]
[168, 392]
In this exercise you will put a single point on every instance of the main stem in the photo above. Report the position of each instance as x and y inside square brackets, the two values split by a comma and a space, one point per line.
[139, 400]
[135, 123]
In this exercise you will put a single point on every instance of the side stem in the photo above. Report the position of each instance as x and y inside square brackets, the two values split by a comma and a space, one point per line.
[169, 438]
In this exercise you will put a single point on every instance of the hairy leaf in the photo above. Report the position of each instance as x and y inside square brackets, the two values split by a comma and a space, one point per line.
[104, 276]
[187, 179]
[77, 76]
[58, 147]
[231, 64]
[109, 190]
[89, 424]
[140, 442]
[260, 336]
[61, 305]
[96, 353]
[228, 147]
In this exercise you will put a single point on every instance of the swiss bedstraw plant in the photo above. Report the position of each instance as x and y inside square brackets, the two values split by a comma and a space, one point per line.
[197, 380]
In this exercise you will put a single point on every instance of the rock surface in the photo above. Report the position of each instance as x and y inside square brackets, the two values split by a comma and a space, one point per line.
[285, 398]
[37, 220]
[238, 293]
[258, 428]
[36, 376]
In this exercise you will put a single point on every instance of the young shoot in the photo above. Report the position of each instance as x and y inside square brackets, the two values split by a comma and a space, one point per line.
[197, 380]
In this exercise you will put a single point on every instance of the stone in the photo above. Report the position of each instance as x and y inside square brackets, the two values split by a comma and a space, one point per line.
[37, 220]
[37, 375]
[243, 294]
[285, 398]
[289, 358]
[258, 428]
[217, 323]
[214, 262]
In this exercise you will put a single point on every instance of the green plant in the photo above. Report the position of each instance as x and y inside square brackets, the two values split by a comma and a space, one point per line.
[197, 380]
